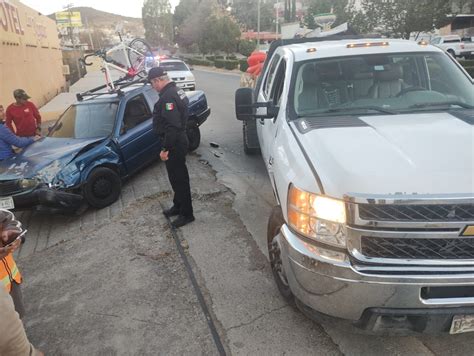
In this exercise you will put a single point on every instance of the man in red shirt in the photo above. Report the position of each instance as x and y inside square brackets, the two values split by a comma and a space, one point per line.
[24, 115]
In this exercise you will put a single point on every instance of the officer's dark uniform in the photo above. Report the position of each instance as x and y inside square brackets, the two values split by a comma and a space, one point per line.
[170, 116]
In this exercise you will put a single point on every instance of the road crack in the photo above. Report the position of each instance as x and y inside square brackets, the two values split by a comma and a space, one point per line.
[257, 318]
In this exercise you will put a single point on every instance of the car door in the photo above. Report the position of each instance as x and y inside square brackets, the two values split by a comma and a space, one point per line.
[137, 141]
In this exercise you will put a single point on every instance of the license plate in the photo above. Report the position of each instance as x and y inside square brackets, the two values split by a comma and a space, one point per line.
[7, 203]
[462, 324]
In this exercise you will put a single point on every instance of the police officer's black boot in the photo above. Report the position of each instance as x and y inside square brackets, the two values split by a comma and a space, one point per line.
[182, 220]
[173, 211]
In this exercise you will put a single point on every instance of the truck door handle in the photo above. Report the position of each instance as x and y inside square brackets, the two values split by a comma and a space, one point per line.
[262, 122]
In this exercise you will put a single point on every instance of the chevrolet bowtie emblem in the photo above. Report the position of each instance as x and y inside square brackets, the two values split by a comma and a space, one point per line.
[468, 231]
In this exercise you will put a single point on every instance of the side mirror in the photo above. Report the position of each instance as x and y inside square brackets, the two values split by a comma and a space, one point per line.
[245, 107]
[191, 68]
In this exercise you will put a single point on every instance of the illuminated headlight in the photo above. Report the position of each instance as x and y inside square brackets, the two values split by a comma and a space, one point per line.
[317, 217]
[27, 183]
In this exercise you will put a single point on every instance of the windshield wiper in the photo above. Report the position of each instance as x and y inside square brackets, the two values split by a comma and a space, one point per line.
[336, 110]
[443, 103]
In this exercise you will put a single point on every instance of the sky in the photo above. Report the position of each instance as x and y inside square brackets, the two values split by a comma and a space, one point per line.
[132, 8]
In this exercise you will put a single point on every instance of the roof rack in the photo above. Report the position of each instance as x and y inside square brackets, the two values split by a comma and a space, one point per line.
[119, 84]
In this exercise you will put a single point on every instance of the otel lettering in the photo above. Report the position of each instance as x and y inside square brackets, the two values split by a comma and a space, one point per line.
[10, 18]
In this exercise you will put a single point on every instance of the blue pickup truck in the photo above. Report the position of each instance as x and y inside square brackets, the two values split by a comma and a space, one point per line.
[95, 144]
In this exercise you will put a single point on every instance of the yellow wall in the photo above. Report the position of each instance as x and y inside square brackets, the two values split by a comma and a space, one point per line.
[30, 57]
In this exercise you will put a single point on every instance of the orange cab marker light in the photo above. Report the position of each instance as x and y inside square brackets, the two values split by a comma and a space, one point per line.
[423, 43]
[311, 50]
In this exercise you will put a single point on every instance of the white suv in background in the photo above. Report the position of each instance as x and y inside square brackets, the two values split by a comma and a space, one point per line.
[180, 73]
[451, 44]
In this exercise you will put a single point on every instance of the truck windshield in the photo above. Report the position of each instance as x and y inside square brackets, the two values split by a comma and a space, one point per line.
[377, 83]
[86, 121]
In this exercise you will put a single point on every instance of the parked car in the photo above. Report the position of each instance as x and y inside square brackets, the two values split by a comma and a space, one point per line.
[368, 144]
[90, 150]
[180, 73]
[451, 44]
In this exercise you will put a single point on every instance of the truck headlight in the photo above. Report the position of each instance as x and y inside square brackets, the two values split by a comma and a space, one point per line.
[317, 217]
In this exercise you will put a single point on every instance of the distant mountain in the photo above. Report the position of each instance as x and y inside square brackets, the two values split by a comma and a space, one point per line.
[107, 21]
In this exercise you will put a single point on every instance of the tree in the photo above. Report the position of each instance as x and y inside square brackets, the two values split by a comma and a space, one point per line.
[246, 47]
[220, 33]
[246, 12]
[399, 18]
[158, 22]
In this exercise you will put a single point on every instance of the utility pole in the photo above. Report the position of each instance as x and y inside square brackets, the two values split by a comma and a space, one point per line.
[258, 26]
[90, 35]
[68, 7]
[276, 19]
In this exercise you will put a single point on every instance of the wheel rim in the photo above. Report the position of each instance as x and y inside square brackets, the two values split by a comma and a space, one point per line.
[102, 188]
[276, 261]
[139, 61]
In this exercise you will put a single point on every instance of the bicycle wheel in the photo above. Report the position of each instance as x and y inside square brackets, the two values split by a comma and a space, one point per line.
[141, 57]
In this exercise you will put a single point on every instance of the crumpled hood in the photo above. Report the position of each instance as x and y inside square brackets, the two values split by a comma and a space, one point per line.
[425, 153]
[43, 158]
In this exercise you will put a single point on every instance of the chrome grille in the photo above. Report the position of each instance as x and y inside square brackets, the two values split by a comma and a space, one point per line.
[425, 212]
[9, 187]
[415, 248]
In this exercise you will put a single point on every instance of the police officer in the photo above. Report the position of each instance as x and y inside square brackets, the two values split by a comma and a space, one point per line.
[170, 116]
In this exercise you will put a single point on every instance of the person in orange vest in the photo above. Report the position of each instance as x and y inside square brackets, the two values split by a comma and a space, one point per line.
[10, 277]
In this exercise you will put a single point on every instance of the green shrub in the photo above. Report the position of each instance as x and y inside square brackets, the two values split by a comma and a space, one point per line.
[199, 61]
[467, 63]
[231, 57]
[210, 58]
[219, 63]
[470, 70]
[246, 47]
[231, 65]
[218, 57]
[243, 65]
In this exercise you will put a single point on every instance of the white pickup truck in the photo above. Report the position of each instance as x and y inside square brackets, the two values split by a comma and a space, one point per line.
[454, 45]
[369, 147]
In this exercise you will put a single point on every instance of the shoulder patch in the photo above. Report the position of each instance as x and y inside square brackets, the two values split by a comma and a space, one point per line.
[169, 106]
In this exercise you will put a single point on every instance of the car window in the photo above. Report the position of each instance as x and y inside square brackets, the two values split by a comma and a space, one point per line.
[136, 112]
[152, 96]
[278, 83]
[86, 121]
[174, 66]
[436, 40]
[393, 82]
[455, 40]
[270, 74]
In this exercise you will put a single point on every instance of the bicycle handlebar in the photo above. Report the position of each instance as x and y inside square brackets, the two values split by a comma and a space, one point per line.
[99, 53]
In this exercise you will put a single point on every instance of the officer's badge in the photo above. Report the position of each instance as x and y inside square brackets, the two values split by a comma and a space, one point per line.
[169, 106]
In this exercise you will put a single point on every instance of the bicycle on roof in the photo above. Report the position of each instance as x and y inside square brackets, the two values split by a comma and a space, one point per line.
[134, 60]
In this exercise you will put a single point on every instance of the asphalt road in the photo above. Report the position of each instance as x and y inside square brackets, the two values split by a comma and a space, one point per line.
[247, 178]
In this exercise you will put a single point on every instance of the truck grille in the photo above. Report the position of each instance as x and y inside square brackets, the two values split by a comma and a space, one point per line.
[446, 212]
[410, 248]
[9, 187]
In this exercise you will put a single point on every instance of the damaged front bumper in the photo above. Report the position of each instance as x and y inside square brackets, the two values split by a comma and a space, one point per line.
[325, 283]
[46, 198]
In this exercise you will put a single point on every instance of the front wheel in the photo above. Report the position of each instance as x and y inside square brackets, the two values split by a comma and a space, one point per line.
[194, 138]
[275, 222]
[102, 188]
[141, 57]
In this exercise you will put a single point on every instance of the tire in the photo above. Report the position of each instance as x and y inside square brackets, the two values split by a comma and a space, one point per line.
[250, 138]
[275, 223]
[139, 60]
[192, 88]
[194, 138]
[102, 188]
